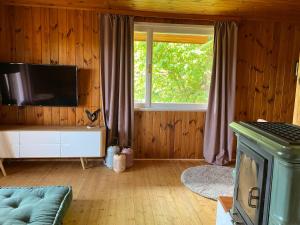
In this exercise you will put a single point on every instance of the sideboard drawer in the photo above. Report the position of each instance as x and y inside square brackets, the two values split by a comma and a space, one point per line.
[39, 137]
[80, 144]
[40, 150]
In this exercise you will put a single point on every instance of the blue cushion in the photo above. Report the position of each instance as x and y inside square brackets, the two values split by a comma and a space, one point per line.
[34, 205]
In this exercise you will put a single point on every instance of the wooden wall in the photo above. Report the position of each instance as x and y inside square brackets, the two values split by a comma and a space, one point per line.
[267, 53]
[56, 36]
[168, 134]
[266, 81]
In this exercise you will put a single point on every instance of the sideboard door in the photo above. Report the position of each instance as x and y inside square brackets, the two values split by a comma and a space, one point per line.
[9, 144]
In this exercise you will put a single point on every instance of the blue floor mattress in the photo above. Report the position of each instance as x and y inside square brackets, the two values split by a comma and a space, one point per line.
[34, 205]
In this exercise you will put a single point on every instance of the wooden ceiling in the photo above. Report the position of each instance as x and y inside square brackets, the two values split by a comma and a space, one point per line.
[179, 8]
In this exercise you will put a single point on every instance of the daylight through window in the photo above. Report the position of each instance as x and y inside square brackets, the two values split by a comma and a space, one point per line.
[172, 66]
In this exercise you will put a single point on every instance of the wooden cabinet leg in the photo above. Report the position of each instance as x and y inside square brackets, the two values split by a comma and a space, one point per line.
[2, 167]
[82, 163]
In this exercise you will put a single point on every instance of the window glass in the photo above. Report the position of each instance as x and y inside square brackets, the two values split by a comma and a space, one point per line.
[140, 52]
[172, 65]
[181, 68]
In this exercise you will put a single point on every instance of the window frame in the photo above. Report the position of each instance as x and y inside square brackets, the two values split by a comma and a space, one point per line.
[149, 29]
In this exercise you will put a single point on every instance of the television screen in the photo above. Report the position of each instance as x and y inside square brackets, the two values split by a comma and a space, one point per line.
[41, 85]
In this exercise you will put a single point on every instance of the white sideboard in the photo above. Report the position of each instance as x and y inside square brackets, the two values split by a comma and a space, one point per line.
[51, 142]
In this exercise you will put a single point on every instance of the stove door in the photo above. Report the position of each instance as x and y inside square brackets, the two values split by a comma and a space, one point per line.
[249, 192]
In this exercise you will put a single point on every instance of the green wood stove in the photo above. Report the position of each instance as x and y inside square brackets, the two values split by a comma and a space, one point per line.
[267, 181]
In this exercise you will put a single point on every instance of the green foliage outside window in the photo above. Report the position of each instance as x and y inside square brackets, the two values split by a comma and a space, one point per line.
[140, 53]
[180, 72]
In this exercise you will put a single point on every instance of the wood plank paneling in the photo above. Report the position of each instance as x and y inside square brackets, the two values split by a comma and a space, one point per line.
[267, 53]
[166, 134]
[45, 20]
[178, 8]
[266, 81]
[56, 36]
[296, 116]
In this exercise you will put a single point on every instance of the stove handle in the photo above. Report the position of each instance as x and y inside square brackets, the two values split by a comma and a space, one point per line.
[252, 197]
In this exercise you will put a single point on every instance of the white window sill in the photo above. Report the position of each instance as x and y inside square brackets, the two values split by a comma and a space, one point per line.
[172, 107]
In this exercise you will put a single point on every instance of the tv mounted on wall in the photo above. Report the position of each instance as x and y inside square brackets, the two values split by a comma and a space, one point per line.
[24, 84]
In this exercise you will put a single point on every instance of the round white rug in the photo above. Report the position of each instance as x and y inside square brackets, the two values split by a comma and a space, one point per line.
[209, 181]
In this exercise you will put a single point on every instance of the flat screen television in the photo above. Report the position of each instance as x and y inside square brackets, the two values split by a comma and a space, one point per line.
[40, 85]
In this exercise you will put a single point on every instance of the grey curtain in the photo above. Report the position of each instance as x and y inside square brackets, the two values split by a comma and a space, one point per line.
[218, 138]
[116, 53]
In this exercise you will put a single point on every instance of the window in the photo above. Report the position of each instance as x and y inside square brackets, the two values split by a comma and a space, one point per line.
[172, 66]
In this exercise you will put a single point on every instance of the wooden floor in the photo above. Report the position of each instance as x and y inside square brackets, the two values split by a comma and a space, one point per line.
[150, 193]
